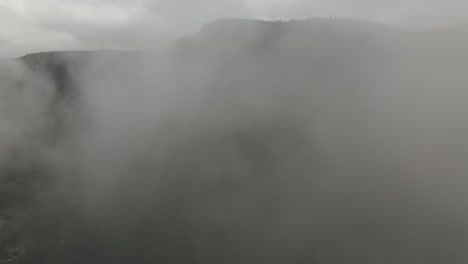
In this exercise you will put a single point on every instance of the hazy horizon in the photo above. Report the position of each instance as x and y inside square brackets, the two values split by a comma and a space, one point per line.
[45, 25]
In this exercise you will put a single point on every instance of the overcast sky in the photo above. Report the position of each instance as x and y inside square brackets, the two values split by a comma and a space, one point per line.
[37, 25]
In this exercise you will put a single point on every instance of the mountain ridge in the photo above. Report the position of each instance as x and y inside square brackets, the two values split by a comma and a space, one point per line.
[232, 27]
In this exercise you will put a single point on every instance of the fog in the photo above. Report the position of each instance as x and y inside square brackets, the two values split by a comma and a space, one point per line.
[30, 26]
[315, 141]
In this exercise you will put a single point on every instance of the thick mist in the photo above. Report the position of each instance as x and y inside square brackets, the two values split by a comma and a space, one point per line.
[318, 141]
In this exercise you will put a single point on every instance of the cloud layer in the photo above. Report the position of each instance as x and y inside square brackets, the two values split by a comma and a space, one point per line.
[36, 25]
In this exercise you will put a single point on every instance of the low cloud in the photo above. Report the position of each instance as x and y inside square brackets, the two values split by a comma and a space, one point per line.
[38, 25]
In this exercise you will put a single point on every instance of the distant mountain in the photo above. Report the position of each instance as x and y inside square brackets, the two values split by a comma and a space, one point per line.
[303, 39]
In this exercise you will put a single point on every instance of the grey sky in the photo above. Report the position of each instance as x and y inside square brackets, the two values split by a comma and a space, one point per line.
[35, 25]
